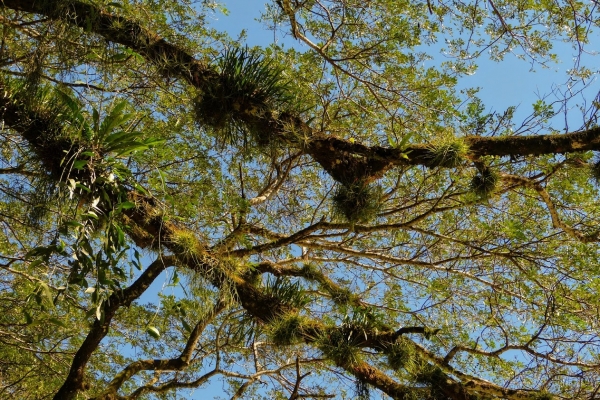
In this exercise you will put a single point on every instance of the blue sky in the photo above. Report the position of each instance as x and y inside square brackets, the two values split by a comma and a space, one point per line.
[512, 82]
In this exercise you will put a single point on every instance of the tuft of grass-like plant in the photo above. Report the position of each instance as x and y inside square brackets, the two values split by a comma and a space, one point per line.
[311, 271]
[288, 329]
[400, 355]
[340, 346]
[186, 242]
[358, 202]
[246, 87]
[448, 154]
[41, 110]
[341, 296]
[431, 376]
[484, 183]
[283, 291]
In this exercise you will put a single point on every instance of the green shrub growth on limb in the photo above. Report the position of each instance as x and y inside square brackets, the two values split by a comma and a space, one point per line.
[485, 182]
[247, 86]
[357, 202]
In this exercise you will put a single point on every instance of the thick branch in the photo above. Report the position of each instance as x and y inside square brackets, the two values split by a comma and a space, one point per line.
[126, 32]
[75, 380]
[336, 156]
[173, 364]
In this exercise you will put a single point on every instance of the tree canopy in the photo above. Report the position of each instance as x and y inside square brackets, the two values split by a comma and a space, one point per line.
[336, 218]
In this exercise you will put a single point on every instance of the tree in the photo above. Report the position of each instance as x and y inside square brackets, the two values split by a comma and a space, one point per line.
[336, 220]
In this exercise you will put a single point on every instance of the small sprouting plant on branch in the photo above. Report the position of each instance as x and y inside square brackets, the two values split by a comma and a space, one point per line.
[485, 182]
[247, 86]
[400, 355]
[284, 291]
[357, 202]
[448, 153]
[340, 346]
[288, 329]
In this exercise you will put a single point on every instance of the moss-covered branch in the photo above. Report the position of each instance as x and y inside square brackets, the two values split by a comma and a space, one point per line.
[344, 160]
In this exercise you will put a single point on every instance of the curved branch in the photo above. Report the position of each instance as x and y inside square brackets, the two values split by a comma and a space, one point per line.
[556, 220]
[173, 364]
[75, 379]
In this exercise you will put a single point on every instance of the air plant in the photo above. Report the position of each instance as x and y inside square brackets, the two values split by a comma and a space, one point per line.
[448, 154]
[484, 183]
[247, 85]
[358, 202]
[288, 329]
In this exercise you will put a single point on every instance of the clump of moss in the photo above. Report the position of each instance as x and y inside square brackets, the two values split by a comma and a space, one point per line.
[288, 329]
[246, 86]
[400, 355]
[358, 202]
[340, 346]
[448, 154]
[484, 184]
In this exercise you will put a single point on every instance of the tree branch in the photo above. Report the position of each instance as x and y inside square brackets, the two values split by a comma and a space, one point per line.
[173, 364]
[328, 151]
[75, 379]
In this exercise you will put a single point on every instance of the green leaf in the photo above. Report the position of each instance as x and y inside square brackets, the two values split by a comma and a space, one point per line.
[114, 119]
[119, 57]
[152, 331]
[28, 318]
[126, 205]
[136, 261]
[35, 263]
[96, 119]
[120, 137]
[90, 214]
[186, 326]
[57, 321]
[79, 164]
[43, 294]
[404, 142]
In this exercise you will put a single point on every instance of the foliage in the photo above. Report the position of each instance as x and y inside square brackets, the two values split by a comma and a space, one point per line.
[247, 82]
[180, 212]
[357, 202]
[485, 182]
